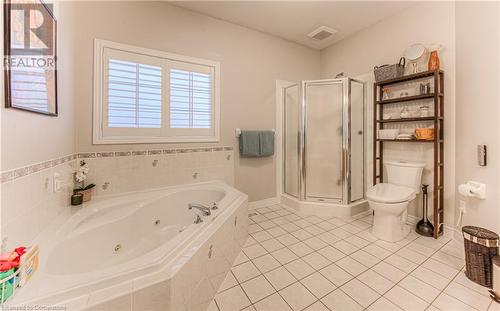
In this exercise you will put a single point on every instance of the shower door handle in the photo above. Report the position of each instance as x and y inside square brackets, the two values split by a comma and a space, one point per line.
[344, 165]
[298, 143]
[345, 174]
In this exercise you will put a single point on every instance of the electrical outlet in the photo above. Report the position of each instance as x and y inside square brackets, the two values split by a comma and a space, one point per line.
[58, 183]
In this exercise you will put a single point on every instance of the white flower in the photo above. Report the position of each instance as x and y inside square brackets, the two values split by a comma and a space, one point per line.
[79, 176]
[81, 172]
[84, 169]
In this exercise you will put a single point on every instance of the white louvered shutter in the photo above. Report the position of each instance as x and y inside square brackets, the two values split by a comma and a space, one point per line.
[134, 95]
[155, 98]
[190, 99]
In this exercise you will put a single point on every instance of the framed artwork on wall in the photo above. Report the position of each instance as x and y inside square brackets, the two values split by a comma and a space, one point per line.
[30, 54]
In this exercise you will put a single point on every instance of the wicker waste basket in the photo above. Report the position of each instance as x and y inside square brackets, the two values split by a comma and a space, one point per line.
[481, 246]
[495, 291]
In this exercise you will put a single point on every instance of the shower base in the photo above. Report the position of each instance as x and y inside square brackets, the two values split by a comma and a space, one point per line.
[325, 208]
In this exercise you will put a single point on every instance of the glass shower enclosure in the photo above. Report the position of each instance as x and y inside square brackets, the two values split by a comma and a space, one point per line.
[323, 141]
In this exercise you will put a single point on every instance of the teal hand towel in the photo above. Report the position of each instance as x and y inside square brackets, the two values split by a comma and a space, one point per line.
[266, 143]
[250, 144]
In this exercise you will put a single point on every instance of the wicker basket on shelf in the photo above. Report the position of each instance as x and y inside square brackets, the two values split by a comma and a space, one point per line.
[386, 72]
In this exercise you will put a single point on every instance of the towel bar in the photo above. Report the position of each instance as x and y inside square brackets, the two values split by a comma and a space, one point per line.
[238, 132]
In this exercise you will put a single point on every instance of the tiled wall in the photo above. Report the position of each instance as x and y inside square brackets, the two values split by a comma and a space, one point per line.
[29, 202]
[116, 172]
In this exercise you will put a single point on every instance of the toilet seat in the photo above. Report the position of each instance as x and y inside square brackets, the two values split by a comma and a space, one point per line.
[390, 193]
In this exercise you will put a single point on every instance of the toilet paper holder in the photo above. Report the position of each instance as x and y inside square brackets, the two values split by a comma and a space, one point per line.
[473, 189]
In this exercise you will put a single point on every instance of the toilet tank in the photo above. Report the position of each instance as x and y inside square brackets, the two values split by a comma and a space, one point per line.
[403, 173]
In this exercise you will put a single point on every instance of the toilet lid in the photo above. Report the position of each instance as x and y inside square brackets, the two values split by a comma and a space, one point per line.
[389, 193]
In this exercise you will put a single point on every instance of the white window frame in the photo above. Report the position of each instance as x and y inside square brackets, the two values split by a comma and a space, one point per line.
[105, 135]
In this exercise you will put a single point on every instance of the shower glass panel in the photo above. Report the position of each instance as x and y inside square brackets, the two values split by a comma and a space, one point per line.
[357, 140]
[323, 140]
[291, 132]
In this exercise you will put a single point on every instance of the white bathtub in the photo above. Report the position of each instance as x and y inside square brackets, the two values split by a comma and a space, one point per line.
[120, 244]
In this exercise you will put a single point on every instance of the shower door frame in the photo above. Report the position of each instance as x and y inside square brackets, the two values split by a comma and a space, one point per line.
[303, 141]
[284, 136]
[346, 140]
[364, 118]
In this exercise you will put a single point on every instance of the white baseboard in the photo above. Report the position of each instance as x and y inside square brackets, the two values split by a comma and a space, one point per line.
[263, 203]
[449, 231]
[363, 214]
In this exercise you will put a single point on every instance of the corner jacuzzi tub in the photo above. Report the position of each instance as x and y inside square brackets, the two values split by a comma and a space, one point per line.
[139, 251]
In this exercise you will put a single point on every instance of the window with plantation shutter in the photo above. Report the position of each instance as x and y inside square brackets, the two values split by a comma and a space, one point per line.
[148, 96]
[134, 95]
[190, 99]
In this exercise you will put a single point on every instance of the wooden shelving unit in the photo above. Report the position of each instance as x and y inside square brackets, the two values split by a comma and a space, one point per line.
[406, 140]
[406, 98]
[437, 143]
[406, 120]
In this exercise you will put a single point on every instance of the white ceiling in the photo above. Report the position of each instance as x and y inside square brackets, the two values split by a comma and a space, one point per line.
[294, 20]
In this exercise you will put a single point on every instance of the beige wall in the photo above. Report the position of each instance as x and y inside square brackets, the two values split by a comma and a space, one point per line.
[250, 63]
[29, 203]
[382, 43]
[478, 100]
[29, 138]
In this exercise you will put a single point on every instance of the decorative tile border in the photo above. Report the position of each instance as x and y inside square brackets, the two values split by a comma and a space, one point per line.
[122, 153]
[103, 154]
[91, 155]
[31, 169]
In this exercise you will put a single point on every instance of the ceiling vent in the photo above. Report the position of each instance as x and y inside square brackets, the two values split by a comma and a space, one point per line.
[321, 33]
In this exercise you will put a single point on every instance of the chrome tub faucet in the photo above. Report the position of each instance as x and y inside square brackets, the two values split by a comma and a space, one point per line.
[204, 209]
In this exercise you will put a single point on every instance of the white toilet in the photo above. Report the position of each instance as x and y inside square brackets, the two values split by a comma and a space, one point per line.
[390, 200]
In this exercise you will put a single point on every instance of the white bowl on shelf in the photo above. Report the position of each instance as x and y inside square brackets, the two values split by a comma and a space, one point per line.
[388, 133]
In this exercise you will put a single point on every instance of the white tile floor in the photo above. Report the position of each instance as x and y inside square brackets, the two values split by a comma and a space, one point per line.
[296, 262]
